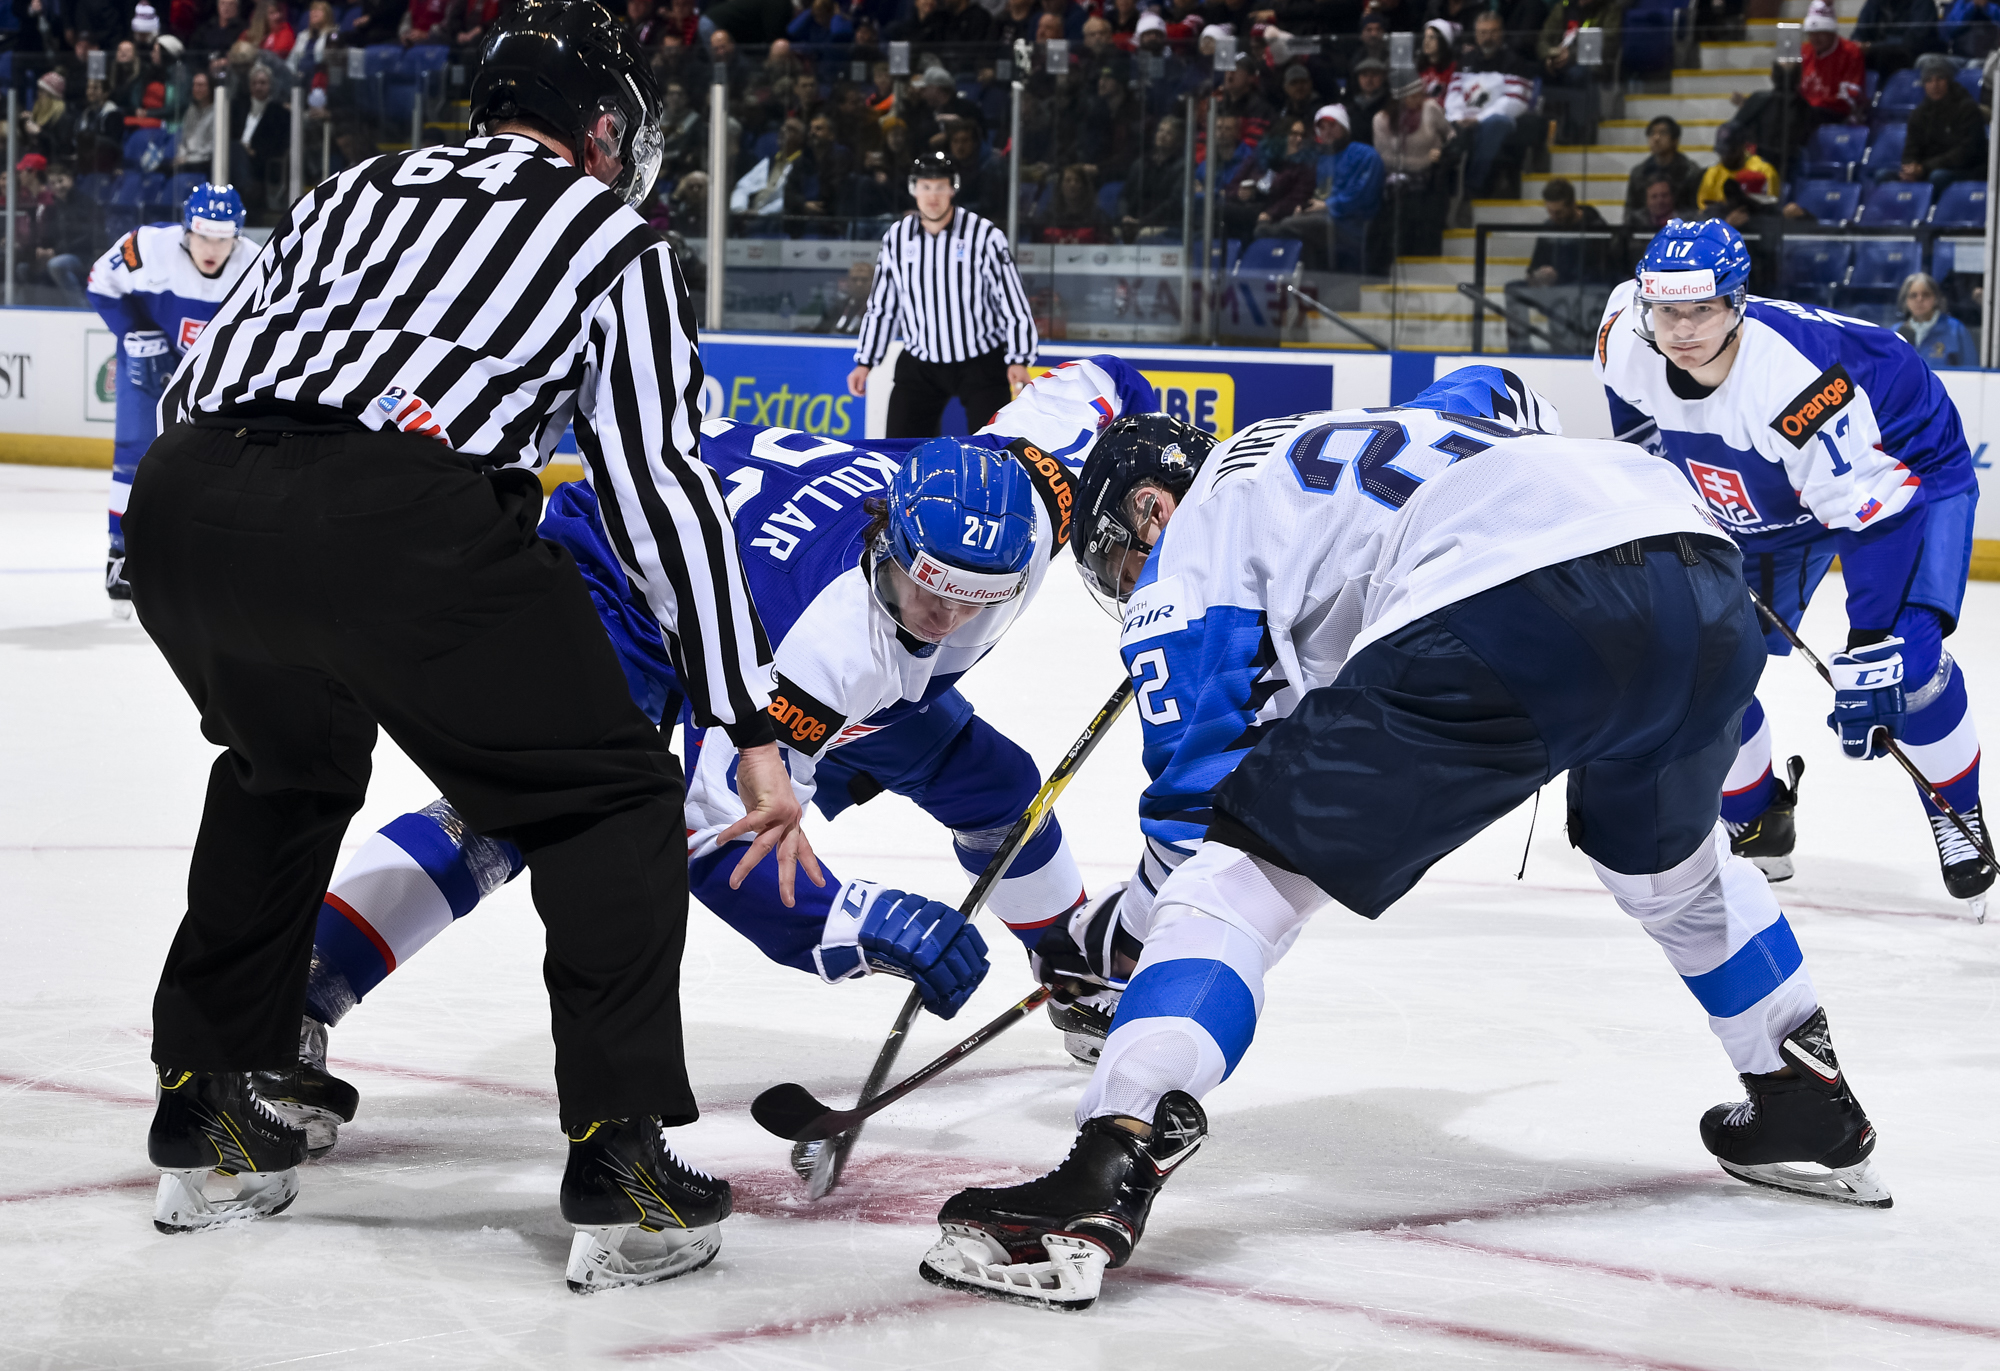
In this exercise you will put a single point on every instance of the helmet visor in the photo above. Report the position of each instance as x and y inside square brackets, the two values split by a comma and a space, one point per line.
[1689, 332]
[962, 615]
[643, 155]
[1111, 559]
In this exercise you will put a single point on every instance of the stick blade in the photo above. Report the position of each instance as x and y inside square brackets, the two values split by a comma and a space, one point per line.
[788, 1110]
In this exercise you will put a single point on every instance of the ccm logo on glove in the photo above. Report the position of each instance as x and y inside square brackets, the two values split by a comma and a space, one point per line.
[1814, 405]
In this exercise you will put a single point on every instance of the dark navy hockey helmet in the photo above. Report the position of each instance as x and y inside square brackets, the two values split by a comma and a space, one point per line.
[564, 66]
[935, 165]
[961, 526]
[1690, 263]
[1137, 453]
[1489, 392]
[213, 211]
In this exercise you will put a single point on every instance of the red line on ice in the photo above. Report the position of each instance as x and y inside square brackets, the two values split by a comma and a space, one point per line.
[1416, 1323]
[1748, 1292]
[1678, 1182]
[67, 1192]
[8, 1078]
[708, 1342]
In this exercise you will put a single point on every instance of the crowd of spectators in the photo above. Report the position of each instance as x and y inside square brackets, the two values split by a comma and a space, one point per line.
[1315, 138]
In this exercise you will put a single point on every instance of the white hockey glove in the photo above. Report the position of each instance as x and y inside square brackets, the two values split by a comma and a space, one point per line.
[1088, 951]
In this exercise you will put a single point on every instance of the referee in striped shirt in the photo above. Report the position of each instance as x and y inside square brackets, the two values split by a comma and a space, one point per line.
[337, 530]
[946, 282]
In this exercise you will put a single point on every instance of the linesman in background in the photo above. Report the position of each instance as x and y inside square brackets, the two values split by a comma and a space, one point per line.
[337, 531]
[946, 282]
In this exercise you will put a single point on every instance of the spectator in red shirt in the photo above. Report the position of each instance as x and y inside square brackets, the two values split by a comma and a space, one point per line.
[424, 23]
[271, 28]
[1832, 69]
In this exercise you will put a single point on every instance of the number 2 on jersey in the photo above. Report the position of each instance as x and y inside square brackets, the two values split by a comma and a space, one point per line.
[1152, 708]
[1322, 454]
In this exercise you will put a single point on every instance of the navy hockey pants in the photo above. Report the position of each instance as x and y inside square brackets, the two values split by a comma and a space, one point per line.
[1631, 677]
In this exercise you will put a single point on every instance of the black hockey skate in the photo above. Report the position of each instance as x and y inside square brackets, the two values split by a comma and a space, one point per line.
[1085, 958]
[1049, 1242]
[307, 1096]
[1768, 839]
[224, 1154]
[1804, 1133]
[1967, 875]
[623, 1178]
[116, 586]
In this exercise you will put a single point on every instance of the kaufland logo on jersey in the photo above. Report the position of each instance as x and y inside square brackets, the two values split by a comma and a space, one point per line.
[1659, 286]
[967, 587]
[1726, 494]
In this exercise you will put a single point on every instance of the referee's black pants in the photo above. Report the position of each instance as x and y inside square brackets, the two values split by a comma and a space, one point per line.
[923, 389]
[306, 588]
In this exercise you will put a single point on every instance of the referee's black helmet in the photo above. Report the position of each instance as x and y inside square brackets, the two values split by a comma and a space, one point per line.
[562, 65]
[933, 166]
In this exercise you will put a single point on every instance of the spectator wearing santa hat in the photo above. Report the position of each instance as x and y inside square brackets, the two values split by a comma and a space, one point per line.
[1832, 71]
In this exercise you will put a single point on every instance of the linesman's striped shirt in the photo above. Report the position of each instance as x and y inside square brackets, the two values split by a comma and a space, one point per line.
[952, 295]
[486, 296]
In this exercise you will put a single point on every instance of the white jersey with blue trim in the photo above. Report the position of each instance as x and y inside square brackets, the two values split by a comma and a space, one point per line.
[1823, 423]
[147, 280]
[844, 669]
[1303, 540]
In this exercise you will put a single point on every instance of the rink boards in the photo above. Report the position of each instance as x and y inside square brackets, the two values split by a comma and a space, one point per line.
[58, 385]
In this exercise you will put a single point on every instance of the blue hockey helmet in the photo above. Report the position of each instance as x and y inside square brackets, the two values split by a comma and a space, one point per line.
[954, 556]
[1694, 263]
[1488, 392]
[1135, 456]
[213, 211]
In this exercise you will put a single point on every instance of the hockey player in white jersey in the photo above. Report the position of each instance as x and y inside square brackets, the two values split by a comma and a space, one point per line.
[156, 289]
[1397, 625]
[1811, 435]
[884, 571]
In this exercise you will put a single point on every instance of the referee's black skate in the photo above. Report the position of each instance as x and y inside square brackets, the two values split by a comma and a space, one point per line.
[1804, 1133]
[1768, 839]
[225, 1156]
[623, 1179]
[308, 1096]
[1967, 875]
[1049, 1242]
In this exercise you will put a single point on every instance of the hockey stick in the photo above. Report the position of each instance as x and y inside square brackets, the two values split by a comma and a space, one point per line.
[833, 1156]
[1923, 783]
[790, 1110]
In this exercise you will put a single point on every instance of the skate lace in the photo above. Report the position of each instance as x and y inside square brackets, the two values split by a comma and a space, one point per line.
[674, 1158]
[1742, 1113]
[262, 1107]
[1953, 846]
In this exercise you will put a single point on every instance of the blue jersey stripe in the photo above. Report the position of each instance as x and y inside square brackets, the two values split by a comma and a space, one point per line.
[442, 859]
[1198, 988]
[1752, 972]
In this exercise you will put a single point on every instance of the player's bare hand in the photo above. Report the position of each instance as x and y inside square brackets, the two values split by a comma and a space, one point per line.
[857, 382]
[1017, 377]
[771, 811]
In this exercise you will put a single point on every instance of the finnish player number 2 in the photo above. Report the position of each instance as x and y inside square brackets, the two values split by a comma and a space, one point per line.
[1153, 707]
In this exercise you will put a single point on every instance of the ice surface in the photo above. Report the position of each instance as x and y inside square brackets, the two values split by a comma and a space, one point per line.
[1465, 1136]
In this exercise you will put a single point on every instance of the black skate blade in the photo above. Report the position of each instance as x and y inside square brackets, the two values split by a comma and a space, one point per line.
[944, 1282]
[790, 1111]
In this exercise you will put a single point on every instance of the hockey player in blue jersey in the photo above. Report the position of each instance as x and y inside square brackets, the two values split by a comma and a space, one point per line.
[156, 289]
[1357, 639]
[1811, 435]
[883, 572]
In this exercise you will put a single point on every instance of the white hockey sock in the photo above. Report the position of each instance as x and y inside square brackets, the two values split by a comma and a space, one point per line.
[1721, 928]
[1222, 921]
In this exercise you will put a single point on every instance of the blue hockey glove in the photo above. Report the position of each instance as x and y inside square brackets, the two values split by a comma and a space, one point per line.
[1867, 698]
[149, 363]
[928, 942]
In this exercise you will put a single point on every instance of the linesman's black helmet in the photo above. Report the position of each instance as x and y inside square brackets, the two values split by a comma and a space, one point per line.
[1136, 453]
[562, 65]
[935, 165]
